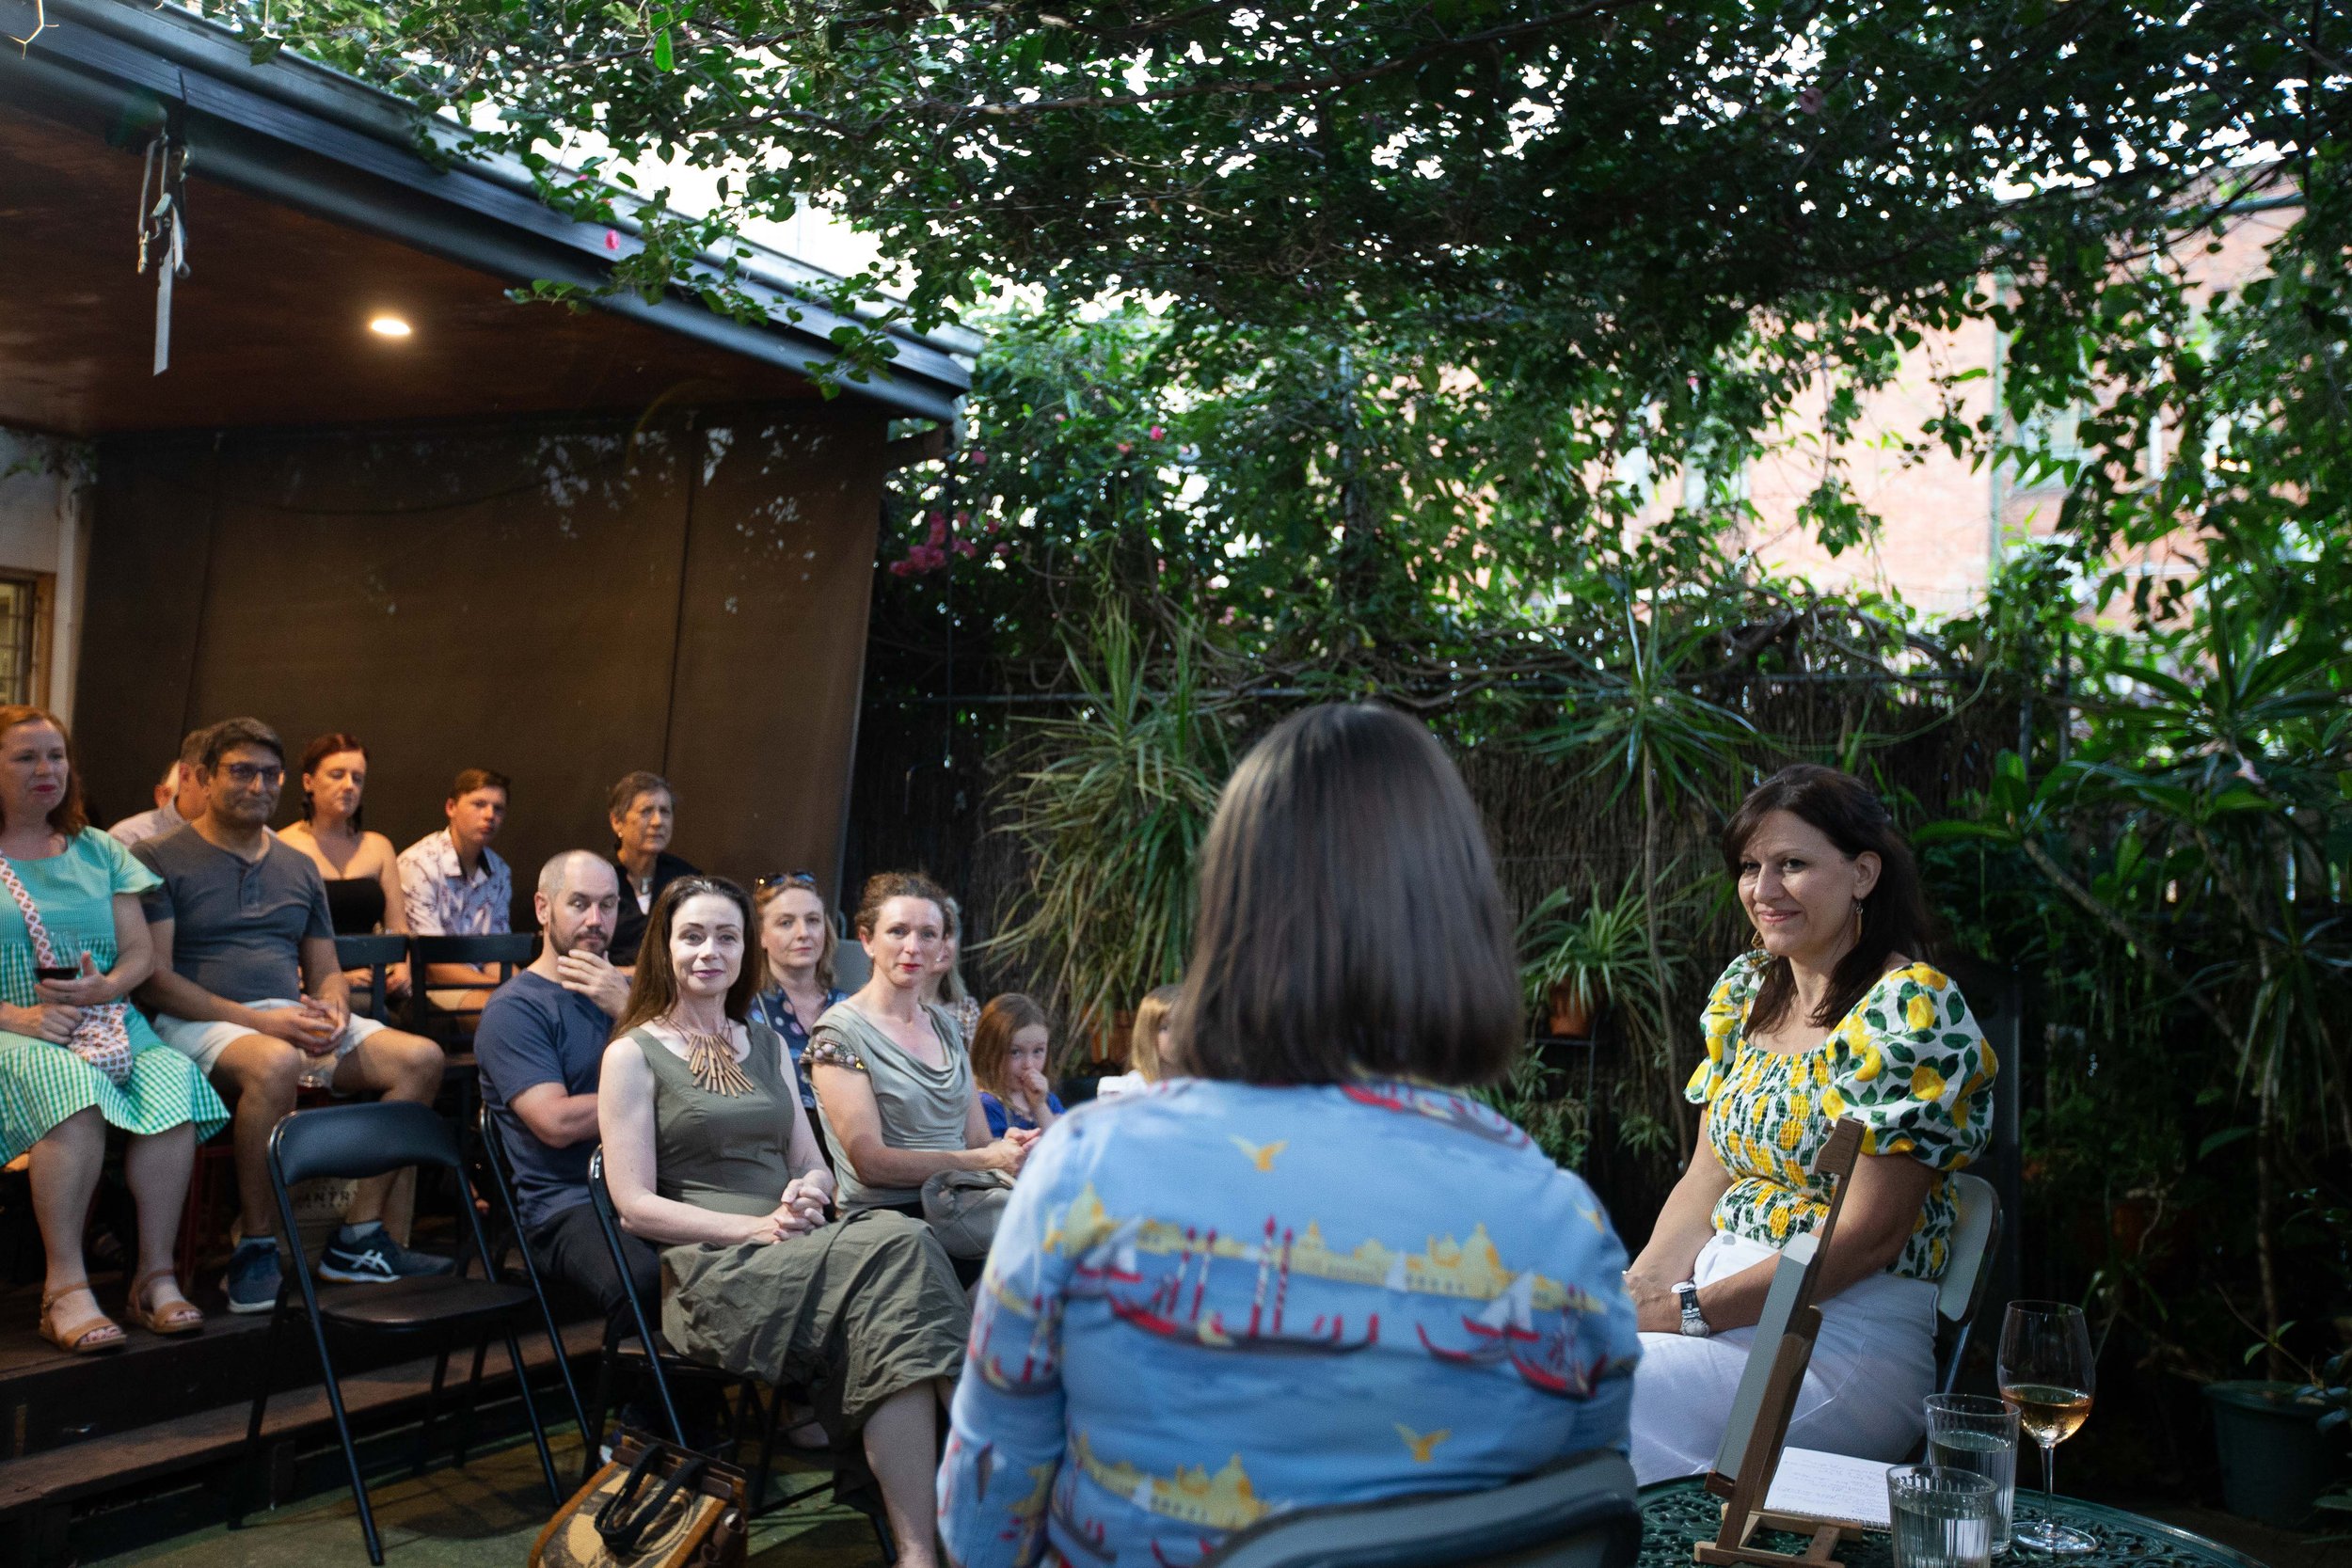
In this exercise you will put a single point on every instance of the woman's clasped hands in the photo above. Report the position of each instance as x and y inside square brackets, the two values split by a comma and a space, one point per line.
[802, 1211]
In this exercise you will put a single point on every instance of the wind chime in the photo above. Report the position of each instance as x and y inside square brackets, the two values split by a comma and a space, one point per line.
[164, 229]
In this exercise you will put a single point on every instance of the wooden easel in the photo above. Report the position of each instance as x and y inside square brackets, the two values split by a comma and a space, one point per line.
[1760, 1412]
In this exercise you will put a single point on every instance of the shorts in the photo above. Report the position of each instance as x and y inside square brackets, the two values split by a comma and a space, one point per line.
[202, 1042]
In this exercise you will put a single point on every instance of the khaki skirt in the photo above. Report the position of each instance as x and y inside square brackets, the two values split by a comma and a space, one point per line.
[853, 1313]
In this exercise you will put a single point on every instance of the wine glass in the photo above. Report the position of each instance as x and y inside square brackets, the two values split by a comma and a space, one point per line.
[2046, 1372]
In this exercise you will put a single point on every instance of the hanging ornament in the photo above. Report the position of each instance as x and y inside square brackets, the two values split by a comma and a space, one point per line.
[163, 230]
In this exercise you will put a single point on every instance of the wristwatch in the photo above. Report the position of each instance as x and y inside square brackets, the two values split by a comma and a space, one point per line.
[1694, 1323]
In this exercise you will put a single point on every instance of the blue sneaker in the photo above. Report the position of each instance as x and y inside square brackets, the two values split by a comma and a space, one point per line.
[367, 1254]
[253, 1276]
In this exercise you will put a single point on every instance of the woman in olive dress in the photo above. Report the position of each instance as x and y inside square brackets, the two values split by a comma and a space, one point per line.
[710, 1157]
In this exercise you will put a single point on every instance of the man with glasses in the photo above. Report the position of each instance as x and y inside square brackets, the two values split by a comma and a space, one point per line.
[248, 985]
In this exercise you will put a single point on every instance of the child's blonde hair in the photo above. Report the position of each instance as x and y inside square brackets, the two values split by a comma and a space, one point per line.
[1143, 1044]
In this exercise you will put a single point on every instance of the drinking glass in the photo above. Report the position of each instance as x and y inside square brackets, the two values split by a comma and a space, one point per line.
[1941, 1518]
[2045, 1371]
[1972, 1432]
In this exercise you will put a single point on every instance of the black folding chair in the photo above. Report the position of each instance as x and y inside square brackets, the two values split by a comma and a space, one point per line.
[453, 1027]
[503, 951]
[660, 1364]
[492, 1142]
[1582, 1512]
[376, 954]
[361, 1141]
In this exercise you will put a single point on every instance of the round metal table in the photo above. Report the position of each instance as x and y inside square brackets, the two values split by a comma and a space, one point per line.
[1679, 1513]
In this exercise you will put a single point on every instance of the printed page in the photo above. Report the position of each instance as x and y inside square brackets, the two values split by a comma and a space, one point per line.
[1832, 1486]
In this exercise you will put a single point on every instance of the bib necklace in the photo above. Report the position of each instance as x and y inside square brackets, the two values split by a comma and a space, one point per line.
[711, 1060]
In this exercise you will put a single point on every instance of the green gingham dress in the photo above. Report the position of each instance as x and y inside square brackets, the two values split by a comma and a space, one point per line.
[41, 1083]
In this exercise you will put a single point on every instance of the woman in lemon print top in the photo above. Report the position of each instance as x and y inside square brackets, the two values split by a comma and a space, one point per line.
[1833, 1013]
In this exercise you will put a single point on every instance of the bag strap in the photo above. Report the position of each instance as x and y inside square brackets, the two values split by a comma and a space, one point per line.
[624, 1532]
[42, 947]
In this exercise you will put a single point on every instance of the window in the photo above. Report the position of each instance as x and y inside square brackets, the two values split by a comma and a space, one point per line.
[23, 627]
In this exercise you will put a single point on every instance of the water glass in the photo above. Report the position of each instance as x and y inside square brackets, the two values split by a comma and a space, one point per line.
[1976, 1434]
[1943, 1518]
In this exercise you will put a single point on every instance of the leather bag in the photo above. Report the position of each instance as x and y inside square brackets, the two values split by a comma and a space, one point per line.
[962, 1208]
[653, 1505]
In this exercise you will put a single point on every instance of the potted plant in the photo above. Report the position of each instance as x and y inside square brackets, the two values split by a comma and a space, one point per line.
[2273, 1438]
[1576, 961]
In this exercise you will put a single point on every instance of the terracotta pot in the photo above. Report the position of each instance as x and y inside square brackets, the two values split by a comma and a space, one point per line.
[1571, 1018]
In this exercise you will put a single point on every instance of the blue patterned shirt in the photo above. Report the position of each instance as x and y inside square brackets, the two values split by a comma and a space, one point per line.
[1210, 1302]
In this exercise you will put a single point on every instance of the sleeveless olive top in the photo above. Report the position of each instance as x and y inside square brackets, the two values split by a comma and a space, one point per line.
[725, 1153]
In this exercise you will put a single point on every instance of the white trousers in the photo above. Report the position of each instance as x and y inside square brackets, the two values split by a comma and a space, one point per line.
[1873, 1363]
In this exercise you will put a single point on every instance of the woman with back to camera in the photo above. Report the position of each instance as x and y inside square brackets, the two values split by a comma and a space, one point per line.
[1833, 1013]
[796, 938]
[1303, 1273]
[894, 1081]
[361, 869]
[710, 1157]
[1009, 1052]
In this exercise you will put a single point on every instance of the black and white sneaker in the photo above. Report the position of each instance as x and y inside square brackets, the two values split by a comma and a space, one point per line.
[367, 1254]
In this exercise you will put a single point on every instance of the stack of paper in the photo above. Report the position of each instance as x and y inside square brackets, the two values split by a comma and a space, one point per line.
[1810, 1484]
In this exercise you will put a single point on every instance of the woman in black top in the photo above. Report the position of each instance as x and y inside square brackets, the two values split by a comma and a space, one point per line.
[359, 868]
[642, 812]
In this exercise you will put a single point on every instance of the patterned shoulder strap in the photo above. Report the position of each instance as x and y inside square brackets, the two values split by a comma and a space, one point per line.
[43, 949]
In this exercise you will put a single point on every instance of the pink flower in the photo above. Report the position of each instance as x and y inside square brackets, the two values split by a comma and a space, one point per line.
[939, 529]
[901, 568]
[963, 517]
[1062, 418]
[612, 240]
[1156, 433]
[1125, 449]
[978, 456]
[967, 549]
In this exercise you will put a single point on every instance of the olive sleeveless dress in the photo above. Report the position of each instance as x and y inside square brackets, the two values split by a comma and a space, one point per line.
[853, 1312]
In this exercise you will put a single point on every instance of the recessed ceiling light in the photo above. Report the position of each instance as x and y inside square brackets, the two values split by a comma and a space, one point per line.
[389, 326]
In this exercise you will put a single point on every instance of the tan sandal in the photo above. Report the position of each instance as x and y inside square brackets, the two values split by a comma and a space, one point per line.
[173, 1317]
[87, 1337]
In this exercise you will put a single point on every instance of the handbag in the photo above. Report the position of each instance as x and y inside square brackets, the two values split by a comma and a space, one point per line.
[962, 1208]
[653, 1505]
[102, 1039]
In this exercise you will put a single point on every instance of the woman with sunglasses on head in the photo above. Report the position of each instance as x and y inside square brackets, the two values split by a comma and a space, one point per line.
[710, 1157]
[796, 938]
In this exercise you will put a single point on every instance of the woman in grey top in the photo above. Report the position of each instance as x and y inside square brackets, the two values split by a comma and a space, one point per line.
[893, 1082]
[710, 1157]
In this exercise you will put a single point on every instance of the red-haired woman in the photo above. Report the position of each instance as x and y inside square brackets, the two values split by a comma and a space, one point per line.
[75, 1057]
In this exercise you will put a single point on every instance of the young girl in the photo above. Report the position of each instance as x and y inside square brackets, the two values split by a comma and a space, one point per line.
[1146, 1062]
[1008, 1054]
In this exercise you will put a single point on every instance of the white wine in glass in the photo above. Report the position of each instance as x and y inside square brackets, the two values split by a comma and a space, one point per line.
[2046, 1371]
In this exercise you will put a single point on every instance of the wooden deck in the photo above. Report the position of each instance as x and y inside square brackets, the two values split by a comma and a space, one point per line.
[87, 1431]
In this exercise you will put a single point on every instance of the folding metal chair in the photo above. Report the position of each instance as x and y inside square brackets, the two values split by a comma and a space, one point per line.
[361, 1141]
[1582, 1513]
[376, 954]
[492, 1142]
